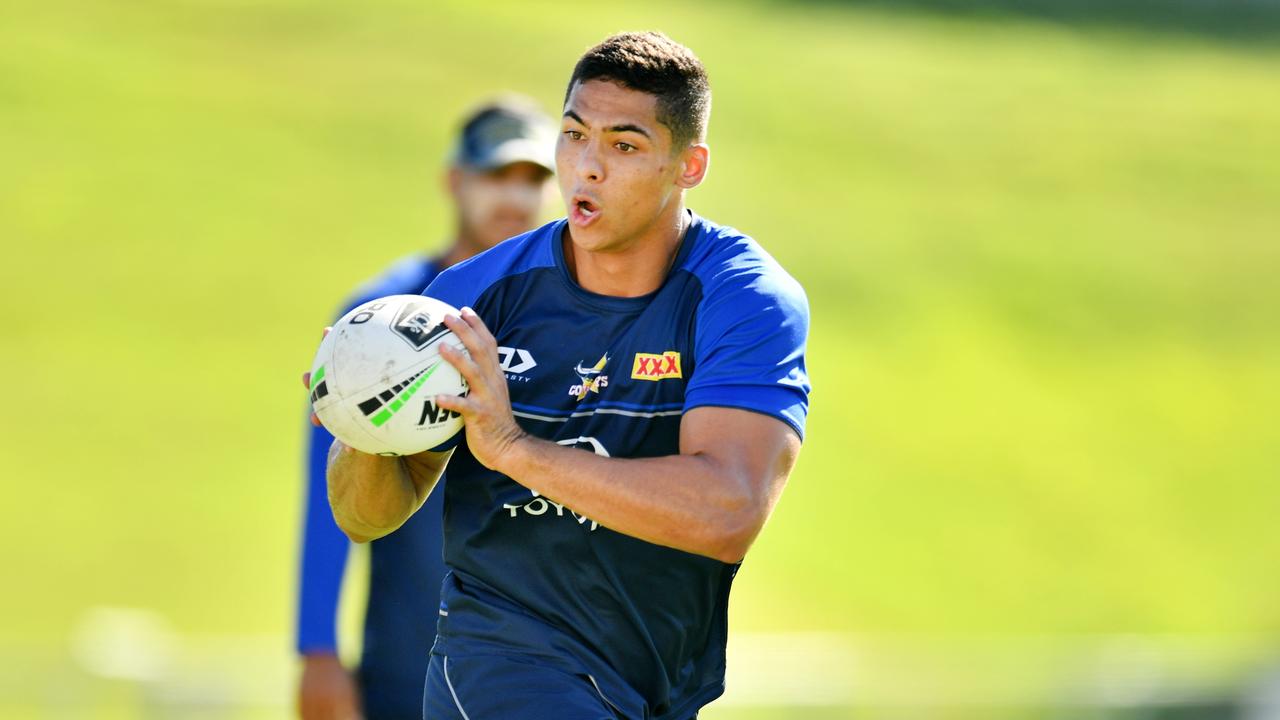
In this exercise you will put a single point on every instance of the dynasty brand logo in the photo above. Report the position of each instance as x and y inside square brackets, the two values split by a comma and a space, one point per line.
[515, 362]
[590, 379]
[648, 366]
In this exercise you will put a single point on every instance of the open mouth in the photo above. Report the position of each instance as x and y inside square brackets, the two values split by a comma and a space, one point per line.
[583, 211]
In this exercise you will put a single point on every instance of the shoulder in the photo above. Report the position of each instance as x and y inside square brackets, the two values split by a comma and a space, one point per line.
[463, 283]
[751, 328]
[407, 276]
[736, 272]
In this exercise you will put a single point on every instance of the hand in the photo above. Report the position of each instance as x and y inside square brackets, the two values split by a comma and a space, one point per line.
[326, 691]
[486, 409]
[306, 380]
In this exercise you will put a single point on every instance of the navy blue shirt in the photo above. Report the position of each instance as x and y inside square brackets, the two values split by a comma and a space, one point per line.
[405, 567]
[534, 579]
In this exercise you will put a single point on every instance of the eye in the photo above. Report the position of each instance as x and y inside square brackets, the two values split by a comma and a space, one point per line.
[573, 134]
[625, 147]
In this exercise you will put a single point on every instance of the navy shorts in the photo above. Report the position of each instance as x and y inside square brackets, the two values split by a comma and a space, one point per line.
[481, 687]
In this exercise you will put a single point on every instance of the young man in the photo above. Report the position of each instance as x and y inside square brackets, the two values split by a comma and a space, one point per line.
[600, 501]
[497, 179]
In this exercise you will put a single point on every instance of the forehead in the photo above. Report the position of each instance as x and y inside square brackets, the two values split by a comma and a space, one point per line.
[601, 103]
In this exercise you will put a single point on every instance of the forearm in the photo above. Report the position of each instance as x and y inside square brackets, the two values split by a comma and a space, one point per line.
[371, 495]
[688, 502]
[712, 498]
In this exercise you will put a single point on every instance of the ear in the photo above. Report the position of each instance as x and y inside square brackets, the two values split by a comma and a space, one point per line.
[453, 181]
[694, 163]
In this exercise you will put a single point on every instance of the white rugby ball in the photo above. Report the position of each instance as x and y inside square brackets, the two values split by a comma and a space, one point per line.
[377, 372]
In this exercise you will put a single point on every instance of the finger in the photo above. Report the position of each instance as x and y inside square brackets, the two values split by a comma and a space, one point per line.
[464, 404]
[327, 330]
[472, 339]
[315, 420]
[477, 324]
[464, 331]
[464, 363]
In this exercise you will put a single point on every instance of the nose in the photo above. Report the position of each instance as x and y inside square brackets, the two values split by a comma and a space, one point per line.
[590, 168]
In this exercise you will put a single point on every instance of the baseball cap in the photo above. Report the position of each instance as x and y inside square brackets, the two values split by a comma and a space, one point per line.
[504, 131]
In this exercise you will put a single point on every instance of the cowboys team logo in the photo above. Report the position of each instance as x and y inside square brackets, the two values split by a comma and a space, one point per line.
[590, 380]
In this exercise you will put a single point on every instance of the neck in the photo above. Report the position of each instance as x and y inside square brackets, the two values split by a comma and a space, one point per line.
[634, 268]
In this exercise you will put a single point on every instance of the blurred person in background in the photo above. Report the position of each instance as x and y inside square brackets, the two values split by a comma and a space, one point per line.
[497, 178]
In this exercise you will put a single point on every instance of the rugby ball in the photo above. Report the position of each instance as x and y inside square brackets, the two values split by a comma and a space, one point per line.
[377, 372]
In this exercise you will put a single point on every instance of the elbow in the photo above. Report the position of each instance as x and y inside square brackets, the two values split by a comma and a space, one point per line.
[730, 555]
[742, 506]
[734, 535]
[355, 537]
[732, 548]
[358, 532]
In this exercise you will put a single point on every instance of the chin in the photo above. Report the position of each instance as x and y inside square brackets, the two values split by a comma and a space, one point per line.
[592, 239]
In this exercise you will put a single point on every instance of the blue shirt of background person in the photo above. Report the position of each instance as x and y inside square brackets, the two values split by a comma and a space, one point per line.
[497, 180]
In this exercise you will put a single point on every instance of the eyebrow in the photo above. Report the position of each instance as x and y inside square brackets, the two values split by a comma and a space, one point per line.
[626, 127]
[629, 128]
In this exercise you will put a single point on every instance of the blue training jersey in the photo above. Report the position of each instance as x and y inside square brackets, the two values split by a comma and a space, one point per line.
[405, 567]
[533, 579]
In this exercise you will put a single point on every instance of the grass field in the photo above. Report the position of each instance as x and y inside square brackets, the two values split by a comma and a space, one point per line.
[1041, 258]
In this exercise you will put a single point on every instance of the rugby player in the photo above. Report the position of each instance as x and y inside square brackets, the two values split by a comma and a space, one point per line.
[601, 500]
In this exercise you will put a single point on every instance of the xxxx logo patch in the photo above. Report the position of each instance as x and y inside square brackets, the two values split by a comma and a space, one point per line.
[648, 366]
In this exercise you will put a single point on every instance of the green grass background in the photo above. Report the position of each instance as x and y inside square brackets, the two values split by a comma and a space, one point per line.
[1042, 260]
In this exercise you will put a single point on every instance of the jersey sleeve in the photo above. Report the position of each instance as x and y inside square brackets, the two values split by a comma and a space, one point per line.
[749, 347]
[453, 286]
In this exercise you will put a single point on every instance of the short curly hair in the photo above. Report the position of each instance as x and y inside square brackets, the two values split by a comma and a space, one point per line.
[653, 63]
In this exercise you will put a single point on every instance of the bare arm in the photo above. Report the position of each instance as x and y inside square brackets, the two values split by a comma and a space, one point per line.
[711, 499]
[372, 495]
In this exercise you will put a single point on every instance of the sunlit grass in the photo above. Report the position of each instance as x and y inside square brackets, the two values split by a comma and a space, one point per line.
[1041, 264]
